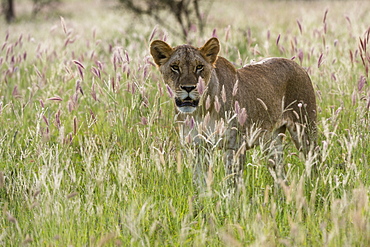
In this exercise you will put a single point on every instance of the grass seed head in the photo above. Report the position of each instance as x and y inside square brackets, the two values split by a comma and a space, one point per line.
[223, 94]
[242, 117]
[71, 195]
[208, 102]
[217, 104]
[11, 218]
[235, 88]
[169, 91]
[201, 87]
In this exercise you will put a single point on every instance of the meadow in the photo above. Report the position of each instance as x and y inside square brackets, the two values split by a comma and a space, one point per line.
[89, 150]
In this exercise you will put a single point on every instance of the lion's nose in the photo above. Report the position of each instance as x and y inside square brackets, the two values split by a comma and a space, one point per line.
[188, 88]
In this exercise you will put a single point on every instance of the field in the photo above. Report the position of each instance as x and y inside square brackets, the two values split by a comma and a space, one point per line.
[90, 156]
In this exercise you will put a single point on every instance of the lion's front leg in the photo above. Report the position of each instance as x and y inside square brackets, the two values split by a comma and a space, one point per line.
[275, 155]
[188, 130]
[234, 159]
[234, 168]
[199, 169]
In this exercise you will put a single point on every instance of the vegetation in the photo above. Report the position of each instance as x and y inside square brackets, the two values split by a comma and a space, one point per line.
[186, 14]
[8, 8]
[90, 156]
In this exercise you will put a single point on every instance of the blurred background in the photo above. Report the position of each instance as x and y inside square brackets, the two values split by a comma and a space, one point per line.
[179, 17]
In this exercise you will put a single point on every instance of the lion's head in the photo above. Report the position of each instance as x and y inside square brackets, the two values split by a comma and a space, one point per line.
[182, 67]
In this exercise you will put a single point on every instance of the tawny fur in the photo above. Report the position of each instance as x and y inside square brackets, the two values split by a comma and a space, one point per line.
[276, 93]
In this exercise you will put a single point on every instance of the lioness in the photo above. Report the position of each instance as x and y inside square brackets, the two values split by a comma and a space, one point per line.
[256, 103]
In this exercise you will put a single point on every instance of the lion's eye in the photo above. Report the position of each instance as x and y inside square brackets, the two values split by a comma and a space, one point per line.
[199, 68]
[175, 68]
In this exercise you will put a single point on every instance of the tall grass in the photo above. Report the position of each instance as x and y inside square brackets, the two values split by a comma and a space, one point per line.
[90, 156]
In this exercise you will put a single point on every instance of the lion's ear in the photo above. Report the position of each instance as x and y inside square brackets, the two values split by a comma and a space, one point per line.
[160, 51]
[210, 50]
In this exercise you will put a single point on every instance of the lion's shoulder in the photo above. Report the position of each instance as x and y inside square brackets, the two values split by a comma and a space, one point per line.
[225, 66]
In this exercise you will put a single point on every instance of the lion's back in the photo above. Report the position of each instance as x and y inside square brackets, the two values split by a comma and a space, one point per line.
[265, 88]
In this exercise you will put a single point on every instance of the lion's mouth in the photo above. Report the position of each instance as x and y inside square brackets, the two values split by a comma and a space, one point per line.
[186, 102]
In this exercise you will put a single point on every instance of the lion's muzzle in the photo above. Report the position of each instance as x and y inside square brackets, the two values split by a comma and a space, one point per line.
[187, 99]
[186, 102]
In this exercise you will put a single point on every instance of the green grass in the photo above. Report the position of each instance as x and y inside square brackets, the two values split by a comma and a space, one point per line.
[89, 160]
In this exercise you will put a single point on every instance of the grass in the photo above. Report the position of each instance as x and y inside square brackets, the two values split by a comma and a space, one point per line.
[90, 156]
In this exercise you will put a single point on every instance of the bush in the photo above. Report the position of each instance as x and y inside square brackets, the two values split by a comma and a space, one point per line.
[187, 13]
